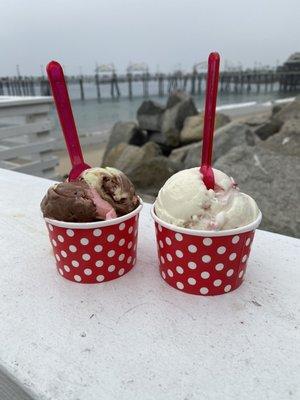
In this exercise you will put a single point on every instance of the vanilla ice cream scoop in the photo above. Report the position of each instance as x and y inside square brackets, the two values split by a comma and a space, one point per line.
[184, 201]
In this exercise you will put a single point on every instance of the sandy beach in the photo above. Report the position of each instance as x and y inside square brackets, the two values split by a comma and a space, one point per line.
[92, 154]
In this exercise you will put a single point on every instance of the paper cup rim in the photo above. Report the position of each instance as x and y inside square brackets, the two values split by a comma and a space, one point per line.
[96, 224]
[228, 232]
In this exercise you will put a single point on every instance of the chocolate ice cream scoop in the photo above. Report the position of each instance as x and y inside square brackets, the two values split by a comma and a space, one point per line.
[99, 194]
[70, 202]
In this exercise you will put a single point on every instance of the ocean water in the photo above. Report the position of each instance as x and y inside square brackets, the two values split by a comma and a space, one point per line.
[94, 116]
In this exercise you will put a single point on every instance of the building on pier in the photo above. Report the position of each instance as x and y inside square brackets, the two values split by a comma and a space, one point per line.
[293, 63]
[289, 73]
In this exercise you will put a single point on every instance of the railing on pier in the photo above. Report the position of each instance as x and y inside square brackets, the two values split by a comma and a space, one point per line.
[26, 143]
[230, 82]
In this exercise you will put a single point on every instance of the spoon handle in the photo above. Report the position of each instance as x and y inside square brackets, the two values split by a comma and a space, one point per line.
[64, 111]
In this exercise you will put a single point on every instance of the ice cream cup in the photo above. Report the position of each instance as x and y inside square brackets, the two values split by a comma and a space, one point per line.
[95, 252]
[203, 262]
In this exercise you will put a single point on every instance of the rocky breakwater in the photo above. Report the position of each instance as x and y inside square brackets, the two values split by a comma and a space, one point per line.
[261, 153]
[269, 170]
[146, 149]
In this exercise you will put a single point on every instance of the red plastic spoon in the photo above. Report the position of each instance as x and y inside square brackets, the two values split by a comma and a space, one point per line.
[65, 114]
[209, 119]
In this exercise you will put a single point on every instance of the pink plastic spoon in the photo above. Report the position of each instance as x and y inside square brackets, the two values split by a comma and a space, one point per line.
[209, 119]
[65, 114]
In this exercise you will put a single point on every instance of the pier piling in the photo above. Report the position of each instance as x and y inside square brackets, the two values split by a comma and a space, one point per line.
[230, 82]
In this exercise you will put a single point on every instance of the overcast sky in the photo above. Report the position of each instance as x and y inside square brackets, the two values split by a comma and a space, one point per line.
[163, 33]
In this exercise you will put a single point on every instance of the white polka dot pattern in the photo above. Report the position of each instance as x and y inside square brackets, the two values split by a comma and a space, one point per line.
[75, 263]
[99, 263]
[179, 270]
[202, 265]
[98, 248]
[206, 259]
[121, 242]
[168, 241]
[122, 226]
[192, 248]
[170, 273]
[235, 239]
[60, 238]
[179, 253]
[192, 265]
[217, 282]
[111, 253]
[221, 250]
[88, 271]
[204, 290]
[169, 257]
[207, 241]
[219, 267]
[82, 253]
[110, 238]
[205, 275]
[178, 237]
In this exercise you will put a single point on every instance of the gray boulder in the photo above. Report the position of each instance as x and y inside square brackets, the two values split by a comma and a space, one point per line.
[289, 111]
[276, 108]
[231, 135]
[149, 115]
[180, 154]
[173, 119]
[225, 138]
[256, 119]
[193, 127]
[160, 139]
[176, 97]
[287, 141]
[270, 178]
[145, 166]
[268, 128]
[124, 132]
[193, 156]
[151, 175]
[125, 157]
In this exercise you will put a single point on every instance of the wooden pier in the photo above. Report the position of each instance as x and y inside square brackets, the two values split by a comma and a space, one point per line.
[247, 81]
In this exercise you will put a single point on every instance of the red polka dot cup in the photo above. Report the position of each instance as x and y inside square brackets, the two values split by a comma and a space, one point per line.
[95, 252]
[203, 262]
